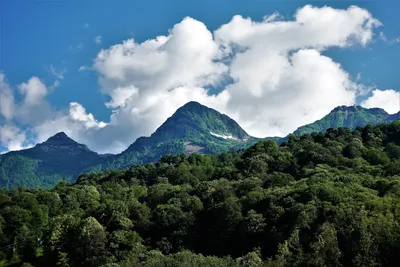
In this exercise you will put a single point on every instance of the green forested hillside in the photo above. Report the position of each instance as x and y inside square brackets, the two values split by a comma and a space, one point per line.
[193, 128]
[59, 158]
[350, 117]
[326, 199]
[194, 118]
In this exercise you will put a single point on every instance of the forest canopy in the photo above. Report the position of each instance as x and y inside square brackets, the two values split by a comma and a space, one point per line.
[323, 199]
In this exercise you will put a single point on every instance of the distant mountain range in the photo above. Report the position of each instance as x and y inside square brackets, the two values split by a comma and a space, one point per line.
[193, 128]
[47, 163]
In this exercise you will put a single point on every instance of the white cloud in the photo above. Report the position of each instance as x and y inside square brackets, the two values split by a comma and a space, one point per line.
[386, 99]
[78, 124]
[6, 99]
[182, 58]
[12, 138]
[76, 48]
[383, 37]
[97, 40]
[86, 26]
[34, 108]
[31, 110]
[83, 68]
[281, 78]
[34, 114]
[55, 85]
[34, 91]
[58, 75]
[78, 113]
[303, 88]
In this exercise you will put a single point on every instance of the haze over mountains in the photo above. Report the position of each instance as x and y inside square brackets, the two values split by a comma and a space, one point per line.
[193, 128]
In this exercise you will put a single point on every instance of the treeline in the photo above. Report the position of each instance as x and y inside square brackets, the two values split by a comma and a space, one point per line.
[329, 199]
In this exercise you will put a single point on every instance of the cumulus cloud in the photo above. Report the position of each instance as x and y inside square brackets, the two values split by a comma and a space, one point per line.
[97, 40]
[309, 29]
[78, 113]
[78, 124]
[184, 57]
[272, 76]
[386, 99]
[12, 137]
[6, 99]
[32, 109]
[277, 105]
[32, 119]
[280, 77]
[34, 91]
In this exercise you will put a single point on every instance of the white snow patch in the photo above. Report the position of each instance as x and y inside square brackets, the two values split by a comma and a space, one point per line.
[224, 136]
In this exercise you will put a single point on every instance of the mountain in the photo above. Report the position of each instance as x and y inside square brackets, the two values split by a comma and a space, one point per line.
[330, 200]
[350, 117]
[193, 119]
[193, 128]
[47, 163]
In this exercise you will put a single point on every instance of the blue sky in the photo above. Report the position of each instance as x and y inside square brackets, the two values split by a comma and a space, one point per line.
[46, 38]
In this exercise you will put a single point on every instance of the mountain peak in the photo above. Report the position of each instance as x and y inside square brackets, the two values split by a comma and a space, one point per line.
[60, 138]
[192, 104]
[347, 116]
[194, 118]
[60, 135]
[193, 107]
[61, 142]
[196, 127]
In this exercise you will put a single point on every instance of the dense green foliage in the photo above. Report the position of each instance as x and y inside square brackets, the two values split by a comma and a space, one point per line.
[326, 199]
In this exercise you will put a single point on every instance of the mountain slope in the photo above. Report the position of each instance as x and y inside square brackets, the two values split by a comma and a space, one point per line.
[348, 116]
[328, 200]
[193, 128]
[194, 119]
[47, 163]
